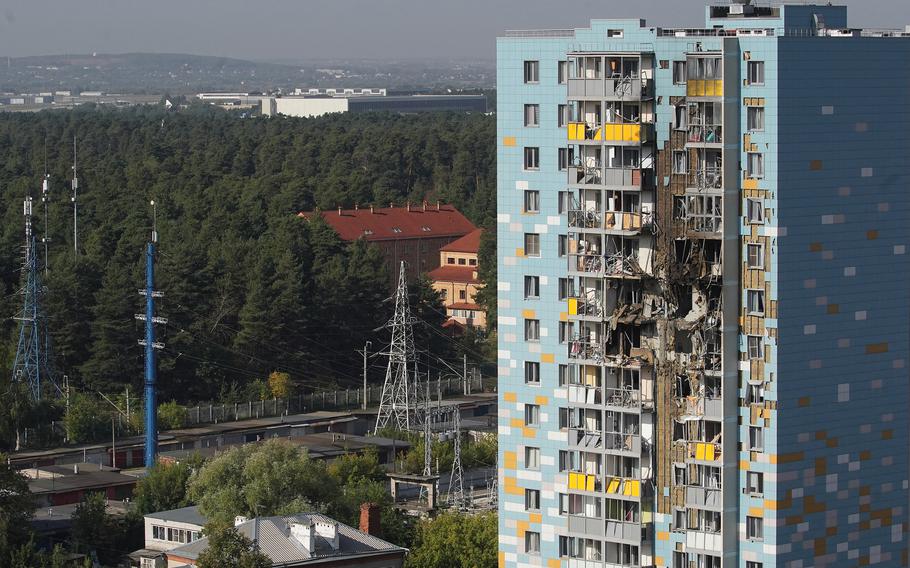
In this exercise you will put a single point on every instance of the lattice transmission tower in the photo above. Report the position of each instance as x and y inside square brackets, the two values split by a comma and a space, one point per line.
[456, 480]
[401, 403]
[32, 363]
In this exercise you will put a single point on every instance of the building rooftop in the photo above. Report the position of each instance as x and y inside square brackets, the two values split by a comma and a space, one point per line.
[469, 243]
[188, 515]
[463, 274]
[275, 539]
[65, 478]
[394, 223]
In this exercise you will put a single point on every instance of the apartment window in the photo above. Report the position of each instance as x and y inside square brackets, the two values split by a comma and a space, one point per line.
[755, 482]
[755, 255]
[563, 160]
[756, 350]
[756, 72]
[532, 330]
[532, 71]
[755, 394]
[450, 260]
[532, 287]
[532, 416]
[679, 519]
[532, 201]
[681, 117]
[565, 331]
[754, 528]
[532, 244]
[532, 455]
[679, 72]
[532, 542]
[755, 302]
[532, 158]
[532, 115]
[755, 211]
[756, 439]
[562, 72]
[565, 375]
[680, 560]
[462, 261]
[755, 165]
[565, 289]
[462, 295]
[562, 245]
[680, 162]
[158, 532]
[565, 202]
[532, 372]
[751, 564]
[532, 499]
[679, 474]
[755, 118]
[562, 116]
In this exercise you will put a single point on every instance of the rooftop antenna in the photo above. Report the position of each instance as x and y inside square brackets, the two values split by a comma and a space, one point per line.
[75, 204]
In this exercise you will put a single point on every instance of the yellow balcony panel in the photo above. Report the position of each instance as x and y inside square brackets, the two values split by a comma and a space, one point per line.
[573, 307]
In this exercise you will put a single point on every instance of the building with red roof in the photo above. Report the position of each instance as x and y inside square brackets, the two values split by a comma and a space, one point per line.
[413, 234]
[457, 281]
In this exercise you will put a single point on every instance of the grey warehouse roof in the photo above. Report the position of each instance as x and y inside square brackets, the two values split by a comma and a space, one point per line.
[189, 515]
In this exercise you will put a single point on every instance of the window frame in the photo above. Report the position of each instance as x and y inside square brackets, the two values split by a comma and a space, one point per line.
[759, 208]
[756, 439]
[532, 120]
[755, 528]
[531, 204]
[759, 68]
[532, 330]
[562, 72]
[759, 296]
[531, 158]
[759, 489]
[531, 72]
[676, 78]
[532, 417]
[535, 250]
[532, 543]
[753, 172]
[532, 373]
[760, 264]
[759, 111]
[532, 287]
[532, 499]
[760, 354]
[529, 452]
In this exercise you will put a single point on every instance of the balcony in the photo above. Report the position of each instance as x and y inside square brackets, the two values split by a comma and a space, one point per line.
[617, 265]
[587, 350]
[588, 303]
[581, 394]
[586, 439]
[626, 531]
[704, 451]
[596, 174]
[621, 221]
[705, 88]
[630, 442]
[624, 88]
[613, 133]
[584, 482]
[704, 498]
[624, 487]
[711, 177]
[705, 134]
[623, 397]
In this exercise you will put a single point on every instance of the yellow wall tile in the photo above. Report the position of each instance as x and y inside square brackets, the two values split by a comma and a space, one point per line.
[547, 358]
[509, 396]
[510, 460]
[509, 141]
[529, 314]
[529, 432]
[541, 400]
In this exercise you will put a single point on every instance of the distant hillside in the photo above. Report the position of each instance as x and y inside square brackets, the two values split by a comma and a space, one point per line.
[153, 73]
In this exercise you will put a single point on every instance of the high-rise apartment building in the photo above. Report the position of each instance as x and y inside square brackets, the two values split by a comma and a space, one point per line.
[703, 309]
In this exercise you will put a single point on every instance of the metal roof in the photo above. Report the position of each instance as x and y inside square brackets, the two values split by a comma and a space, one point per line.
[188, 515]
[275, 541]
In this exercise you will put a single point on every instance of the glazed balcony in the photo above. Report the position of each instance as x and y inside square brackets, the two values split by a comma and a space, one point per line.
[597, 174]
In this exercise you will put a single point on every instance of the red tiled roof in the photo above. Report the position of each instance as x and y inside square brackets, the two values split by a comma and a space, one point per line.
[454, 274]
[467, 243]
[392, 223]
[464, 306]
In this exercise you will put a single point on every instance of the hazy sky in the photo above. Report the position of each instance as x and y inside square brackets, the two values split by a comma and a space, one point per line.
[318, 29]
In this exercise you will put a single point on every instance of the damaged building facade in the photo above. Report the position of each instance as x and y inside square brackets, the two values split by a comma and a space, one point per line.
[703, 316]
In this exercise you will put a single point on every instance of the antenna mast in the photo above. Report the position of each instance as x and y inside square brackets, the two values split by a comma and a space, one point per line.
[151, 364]
[75, 204]
[31, 364]
[45, 198]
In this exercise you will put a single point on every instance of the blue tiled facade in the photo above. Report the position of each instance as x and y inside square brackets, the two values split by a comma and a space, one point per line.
[759, 330]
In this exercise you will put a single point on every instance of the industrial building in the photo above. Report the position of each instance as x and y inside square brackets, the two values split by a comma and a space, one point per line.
[312, 106]
[702, 307]
[411, 234]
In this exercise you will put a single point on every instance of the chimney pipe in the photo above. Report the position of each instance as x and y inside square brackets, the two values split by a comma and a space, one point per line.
[339, 210]
[356, 207]
[409, 206]
[370, 519]
[391, 206]
[424, 205]
[438, 205]
[372, 210]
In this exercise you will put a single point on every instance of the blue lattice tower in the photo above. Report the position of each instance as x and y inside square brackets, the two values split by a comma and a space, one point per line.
[32, 363]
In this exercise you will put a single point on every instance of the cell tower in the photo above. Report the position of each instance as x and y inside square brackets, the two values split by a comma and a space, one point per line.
[456, 480]
[75, 185]
[151, 345]
[399, 405]
[31, 364]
